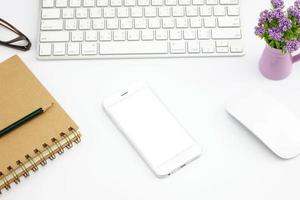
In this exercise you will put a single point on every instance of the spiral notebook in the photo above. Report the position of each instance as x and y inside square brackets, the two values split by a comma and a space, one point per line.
[24, 149]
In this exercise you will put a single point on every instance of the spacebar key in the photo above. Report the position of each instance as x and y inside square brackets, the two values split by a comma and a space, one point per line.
[123, 48]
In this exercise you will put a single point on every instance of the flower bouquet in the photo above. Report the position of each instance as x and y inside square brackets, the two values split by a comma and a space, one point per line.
[280, 28]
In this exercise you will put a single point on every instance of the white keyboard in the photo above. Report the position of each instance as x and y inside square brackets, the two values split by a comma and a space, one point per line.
[88, 29]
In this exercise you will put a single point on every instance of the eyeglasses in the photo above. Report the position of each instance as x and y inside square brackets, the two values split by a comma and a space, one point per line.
[16, 40]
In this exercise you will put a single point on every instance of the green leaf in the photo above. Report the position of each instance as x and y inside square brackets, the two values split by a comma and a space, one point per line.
[278, 45]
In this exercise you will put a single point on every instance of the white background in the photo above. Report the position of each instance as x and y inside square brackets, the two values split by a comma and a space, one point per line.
[234, 165]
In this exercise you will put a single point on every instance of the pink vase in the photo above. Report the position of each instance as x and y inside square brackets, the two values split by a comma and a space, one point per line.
[276, 65]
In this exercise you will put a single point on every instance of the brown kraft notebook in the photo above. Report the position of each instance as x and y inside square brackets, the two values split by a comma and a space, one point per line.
[32, 144]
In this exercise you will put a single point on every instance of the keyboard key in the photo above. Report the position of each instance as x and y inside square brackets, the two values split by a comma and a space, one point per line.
[189, 34]
[229, 2]
[222, 49]
[123, 12]
[191, 11]
[175, 34]
[136, 12]
[59, 49]
[89, 48]
[45, 49]
[177, 47]
[70, 24]
[98, 24]
[193, 47]
[196, 22]
[140, 23]
[168, 23]
[171, 2]
[48, 25]
[91, 36]
[95, 12]
[182, 22]
[207, 46]
[88, 3]
[203, 34]
[115, 2]
[178, 11]
[147, 35]
[129, 2]
[209, 22]
[164, 11]
[112, 24]
[222, 43]
[154, 23]
[198, 2]
[84, 24]
[75, 3]
[184, 2]
[157, 2]
[54, 36]
[109, 12]
[150, 12]
[105, 35]
[233, 10]
[128, 48]
[68, 13]
[73, 49]
[205, 11]
[50, 13]
[102, 3]
[119, 35]
[161, 34]
[77, 36]
[81, 13]
[61, 3]
[212, 2]
[48, 3]
[236, 46]
[229, 22]
[219, 11]
[143, 2]
[133, 35]
[226, 33]
[126, 23]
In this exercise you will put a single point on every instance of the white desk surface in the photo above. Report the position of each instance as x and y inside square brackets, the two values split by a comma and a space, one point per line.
[234, 165]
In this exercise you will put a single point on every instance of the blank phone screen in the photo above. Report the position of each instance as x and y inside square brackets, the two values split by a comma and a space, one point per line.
[150, 127]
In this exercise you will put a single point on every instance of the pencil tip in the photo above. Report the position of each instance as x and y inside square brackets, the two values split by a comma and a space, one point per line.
[47, 107]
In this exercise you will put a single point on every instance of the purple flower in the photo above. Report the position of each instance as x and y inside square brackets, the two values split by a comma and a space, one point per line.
[293, 12]
[259, 30]
[285, 24]
[277, 13]
[292, 46]
[275, 34]
[277, 3]
[265, 16]
[297, 4]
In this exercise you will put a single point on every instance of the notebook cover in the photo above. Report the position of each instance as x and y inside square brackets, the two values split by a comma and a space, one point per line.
[20, 94]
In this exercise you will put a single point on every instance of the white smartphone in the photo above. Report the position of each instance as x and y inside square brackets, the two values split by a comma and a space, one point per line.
[153, 131]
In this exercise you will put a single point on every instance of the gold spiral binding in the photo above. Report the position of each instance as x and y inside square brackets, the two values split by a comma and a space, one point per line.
[40, 158]
[43, 161]
[24, 170]
[67, 138]
[32, 163]
[50, 151]
[59, 147]
[14, 174]
[6, 182]
[76, 134]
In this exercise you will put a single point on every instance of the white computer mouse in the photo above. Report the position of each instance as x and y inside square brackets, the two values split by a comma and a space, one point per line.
[268, 119]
